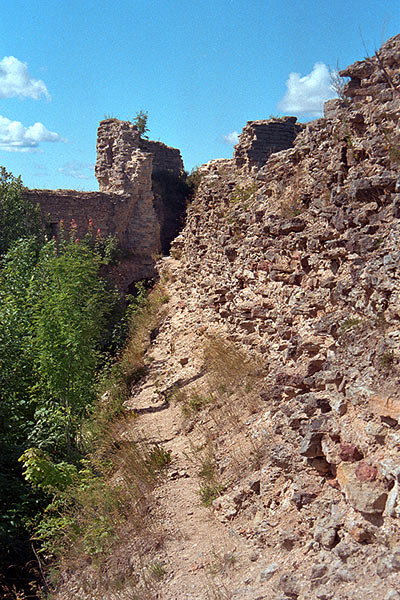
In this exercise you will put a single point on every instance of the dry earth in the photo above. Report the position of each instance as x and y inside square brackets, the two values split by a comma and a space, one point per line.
[273, 377]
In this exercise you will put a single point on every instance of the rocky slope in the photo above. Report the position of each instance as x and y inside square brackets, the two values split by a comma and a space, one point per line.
[273, 378]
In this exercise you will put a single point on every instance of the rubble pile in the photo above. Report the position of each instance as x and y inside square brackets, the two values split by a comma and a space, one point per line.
[299, 263]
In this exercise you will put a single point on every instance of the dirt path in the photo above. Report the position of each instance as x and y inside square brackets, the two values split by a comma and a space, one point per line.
[201, 557]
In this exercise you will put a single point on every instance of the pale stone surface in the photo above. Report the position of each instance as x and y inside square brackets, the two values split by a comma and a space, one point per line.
[126, 205]
[119, 145]
[367, 497]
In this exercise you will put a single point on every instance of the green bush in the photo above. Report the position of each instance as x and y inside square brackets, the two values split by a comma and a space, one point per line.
[19, 218]
[140, 122]
[243, 193]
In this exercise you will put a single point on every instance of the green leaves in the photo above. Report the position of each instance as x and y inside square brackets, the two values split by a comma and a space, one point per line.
[40, 471]
[18, 217]
[53, 309]
[54, 314]
[140, 122]
[68, 318]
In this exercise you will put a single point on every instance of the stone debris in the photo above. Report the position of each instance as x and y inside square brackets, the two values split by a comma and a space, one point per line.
[288, 269]
[293, 254]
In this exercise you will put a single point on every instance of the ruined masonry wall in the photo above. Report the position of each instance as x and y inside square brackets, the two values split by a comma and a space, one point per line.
[57, 205]
[165, 158]
[116, 143]
[260, 139]
[123, 207]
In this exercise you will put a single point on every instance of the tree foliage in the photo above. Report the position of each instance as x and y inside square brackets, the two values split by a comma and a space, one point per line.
[54, 308]
[140, 122]
[18, 217]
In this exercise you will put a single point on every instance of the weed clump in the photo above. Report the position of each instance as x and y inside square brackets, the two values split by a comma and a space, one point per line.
[228, 366]
[349, 323]
[209, 492]
[243, 193]
[387, 359]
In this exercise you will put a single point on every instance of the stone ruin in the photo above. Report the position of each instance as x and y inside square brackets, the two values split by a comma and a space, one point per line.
[260, 139]
[141, 199]
[121, 153]
[142, 195]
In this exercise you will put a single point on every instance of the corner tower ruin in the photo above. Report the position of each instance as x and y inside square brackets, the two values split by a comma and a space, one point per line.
[124, 161]
[127, 169]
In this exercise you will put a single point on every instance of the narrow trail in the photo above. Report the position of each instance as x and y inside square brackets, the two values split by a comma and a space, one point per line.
[201, 556]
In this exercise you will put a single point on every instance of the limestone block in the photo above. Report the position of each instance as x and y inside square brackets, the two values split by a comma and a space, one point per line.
[364, 495]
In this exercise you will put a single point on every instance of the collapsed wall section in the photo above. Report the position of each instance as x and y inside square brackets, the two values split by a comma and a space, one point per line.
[141, 199]
[260, 139]
[165, 158]
[119, 148]
[123, 207]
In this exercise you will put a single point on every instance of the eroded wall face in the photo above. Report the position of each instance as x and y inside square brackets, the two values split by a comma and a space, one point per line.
[260, 139]
[68, 205]
[165, 158]
[125, 204]
[117, 141]
[131, 219]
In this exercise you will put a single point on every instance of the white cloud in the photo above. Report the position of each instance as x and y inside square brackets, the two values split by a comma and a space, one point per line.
[15, 80]
[14, 137]
[77, 170]
[307, 94]
[231, 138]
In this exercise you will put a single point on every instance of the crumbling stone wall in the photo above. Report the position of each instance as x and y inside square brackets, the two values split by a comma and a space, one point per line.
[116, 141]
[131, 217]
[65, 205]
[165, 158]
[306, 273]
[260, 139]
[127, 169]
[119, 151]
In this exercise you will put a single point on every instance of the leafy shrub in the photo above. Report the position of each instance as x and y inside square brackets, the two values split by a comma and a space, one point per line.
[53, 308]
[193, 180]
[19, 218]
[140, 122]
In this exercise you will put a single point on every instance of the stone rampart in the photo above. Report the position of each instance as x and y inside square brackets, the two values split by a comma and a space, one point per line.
[65, 205]
[139, 200]
[165, 158]
[131, 219]
[117, 141]
[260, 139]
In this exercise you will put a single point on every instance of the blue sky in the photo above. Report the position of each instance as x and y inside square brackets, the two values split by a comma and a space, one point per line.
[201, 68]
